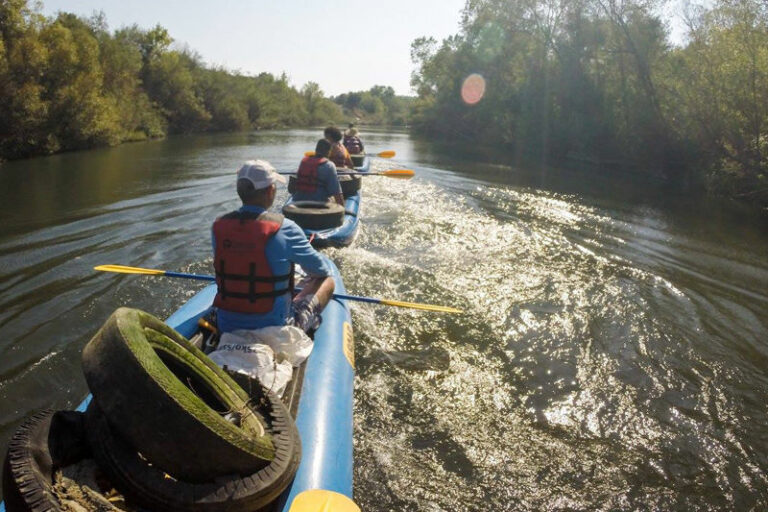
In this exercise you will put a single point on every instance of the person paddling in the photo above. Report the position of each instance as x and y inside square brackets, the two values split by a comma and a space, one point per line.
[254, 253]
[316, 179]
[352, 141]
[339, 154]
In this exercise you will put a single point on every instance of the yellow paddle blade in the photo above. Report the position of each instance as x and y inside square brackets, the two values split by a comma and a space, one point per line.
[384, 154]
[400, 174]
[320, 500]
[122, 269]
[425, 307]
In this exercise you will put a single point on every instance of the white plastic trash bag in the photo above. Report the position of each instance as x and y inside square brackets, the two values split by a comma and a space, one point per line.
[268, 354]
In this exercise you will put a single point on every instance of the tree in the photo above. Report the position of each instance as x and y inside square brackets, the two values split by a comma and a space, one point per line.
[722, 85]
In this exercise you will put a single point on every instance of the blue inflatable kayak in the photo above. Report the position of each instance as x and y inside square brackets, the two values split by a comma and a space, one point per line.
[324, 412]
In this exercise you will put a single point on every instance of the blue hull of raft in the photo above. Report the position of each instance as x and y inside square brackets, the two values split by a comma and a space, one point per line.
[324, 415]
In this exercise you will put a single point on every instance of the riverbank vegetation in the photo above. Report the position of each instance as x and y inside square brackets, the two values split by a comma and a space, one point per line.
[70, 83]
[378, 106]
[599, 81]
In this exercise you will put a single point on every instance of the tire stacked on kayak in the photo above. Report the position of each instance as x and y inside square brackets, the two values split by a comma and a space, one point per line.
[43, 444]
[315, 215]
[358, 160]
[161, 408]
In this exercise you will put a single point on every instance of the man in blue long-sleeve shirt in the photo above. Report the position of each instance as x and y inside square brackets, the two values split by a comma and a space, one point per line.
[254, 256]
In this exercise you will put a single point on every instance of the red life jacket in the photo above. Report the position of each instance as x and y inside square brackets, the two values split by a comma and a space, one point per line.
[245, 280]
[306, 177]
[353, 144]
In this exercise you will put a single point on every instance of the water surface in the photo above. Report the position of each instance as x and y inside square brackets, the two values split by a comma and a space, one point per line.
[612, 355]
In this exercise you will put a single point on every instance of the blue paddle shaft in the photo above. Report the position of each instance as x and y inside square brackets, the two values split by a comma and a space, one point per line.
[199, 277]
[355, 298]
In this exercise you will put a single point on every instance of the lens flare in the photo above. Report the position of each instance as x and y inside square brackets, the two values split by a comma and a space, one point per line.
[473, 89]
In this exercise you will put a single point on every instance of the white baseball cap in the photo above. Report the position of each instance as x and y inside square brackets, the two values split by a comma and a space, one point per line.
[260, 173]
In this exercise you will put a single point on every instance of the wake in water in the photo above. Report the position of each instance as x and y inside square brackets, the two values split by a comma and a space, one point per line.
[598, 366]
[611, 356]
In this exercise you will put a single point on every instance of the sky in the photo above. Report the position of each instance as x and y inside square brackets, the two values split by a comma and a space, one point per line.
[342, 45]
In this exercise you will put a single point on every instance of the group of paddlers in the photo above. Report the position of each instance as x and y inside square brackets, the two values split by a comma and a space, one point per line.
[255, 250]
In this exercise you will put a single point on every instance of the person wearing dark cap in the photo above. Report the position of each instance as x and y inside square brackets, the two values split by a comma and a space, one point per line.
[316, 179]
[339, 154]
[254, 253]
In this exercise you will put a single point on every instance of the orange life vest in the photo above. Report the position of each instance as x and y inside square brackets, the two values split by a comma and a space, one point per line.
[340, 155]
[243, 275]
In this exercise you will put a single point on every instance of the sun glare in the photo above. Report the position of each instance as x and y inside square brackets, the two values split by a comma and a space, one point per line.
[473, 89]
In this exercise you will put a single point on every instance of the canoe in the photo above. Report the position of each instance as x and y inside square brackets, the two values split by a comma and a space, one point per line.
[321, 398]
[340, 236]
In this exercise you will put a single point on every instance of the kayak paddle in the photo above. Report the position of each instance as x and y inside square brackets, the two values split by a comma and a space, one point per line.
[401, 174]
[384, 154]
[122, 269]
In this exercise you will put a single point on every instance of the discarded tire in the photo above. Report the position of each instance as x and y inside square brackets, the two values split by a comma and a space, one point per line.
[149, 487]
[42, 445]
[164, 396]
[314, 214]
[358, 160]
[349, 184]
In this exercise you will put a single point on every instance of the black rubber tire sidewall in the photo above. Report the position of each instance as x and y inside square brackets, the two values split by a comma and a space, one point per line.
[315, 215]
[350, 185]
[44, 443]
[146, 485]
[358, 159]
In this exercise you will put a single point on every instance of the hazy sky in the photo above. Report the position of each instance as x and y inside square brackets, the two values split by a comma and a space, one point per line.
[342, 45]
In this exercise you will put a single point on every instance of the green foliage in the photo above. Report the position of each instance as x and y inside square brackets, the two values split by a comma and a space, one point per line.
[377, 106]
[320, 110]
[68, 83]
[598, 80]
[724, 108]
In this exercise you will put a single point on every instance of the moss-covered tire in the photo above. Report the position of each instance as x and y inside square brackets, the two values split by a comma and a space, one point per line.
[169, 400]
[44, 443]
[149, 487]
[314, 214]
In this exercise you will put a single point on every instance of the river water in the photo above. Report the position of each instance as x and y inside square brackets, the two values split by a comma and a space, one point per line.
[613, 354]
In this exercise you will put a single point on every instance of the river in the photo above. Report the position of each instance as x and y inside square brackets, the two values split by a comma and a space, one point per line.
[613, 354]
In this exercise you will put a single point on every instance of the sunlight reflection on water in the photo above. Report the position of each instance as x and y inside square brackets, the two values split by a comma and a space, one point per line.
[612, 355]
[563, 388]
